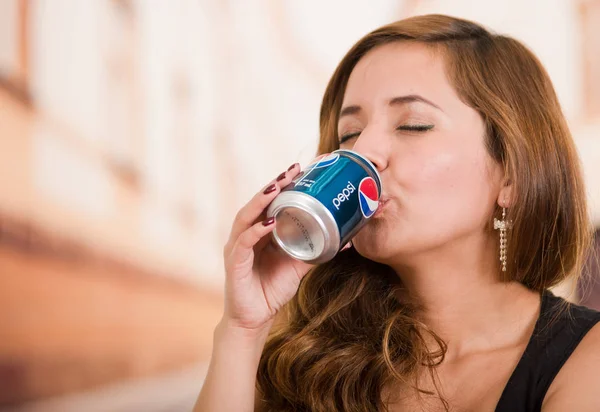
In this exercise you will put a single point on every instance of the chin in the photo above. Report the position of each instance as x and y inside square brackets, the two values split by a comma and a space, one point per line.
[374, 246]
[381, 242]
[374, 255]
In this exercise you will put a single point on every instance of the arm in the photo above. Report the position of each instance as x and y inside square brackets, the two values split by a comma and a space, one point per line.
[231, 379]
[259, 280]
[577, 385]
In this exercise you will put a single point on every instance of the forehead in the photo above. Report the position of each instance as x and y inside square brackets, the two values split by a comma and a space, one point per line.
[399, 68]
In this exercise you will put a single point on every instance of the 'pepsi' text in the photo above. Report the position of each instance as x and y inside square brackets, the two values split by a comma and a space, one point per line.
[343, 195]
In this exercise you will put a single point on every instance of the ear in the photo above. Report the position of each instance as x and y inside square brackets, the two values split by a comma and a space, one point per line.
[505, 197]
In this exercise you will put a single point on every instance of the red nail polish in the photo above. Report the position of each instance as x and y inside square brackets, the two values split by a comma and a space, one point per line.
[292, 166]
[281, 176]
[270, 189]
[269, 221]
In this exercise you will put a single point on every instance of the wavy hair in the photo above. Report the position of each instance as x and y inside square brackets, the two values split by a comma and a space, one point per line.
[345, 336]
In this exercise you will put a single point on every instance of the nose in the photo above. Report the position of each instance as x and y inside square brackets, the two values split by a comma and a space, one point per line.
[375, 147]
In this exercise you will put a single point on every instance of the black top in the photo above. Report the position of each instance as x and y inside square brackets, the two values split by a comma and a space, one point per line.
[558, 330]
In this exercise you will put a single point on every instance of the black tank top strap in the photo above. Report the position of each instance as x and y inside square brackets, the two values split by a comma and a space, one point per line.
[557, 332]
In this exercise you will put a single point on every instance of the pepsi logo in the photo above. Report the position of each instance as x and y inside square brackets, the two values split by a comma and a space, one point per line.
[368, 196]
[321, 161]
[325, 160]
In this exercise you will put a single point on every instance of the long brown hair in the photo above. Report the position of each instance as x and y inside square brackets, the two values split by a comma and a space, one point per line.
[346, 336]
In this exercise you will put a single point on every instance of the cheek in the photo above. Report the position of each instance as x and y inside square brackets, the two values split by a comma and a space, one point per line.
[431, 171]
[448, 184]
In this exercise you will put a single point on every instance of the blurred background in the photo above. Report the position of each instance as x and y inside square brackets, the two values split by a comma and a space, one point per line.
[131, 131]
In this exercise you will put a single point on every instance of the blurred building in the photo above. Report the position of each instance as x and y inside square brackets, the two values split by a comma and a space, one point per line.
[107, 160]
[131, 131]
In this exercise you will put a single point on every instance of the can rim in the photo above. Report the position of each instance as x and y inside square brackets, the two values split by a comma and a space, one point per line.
[367, 161]
[327, 226]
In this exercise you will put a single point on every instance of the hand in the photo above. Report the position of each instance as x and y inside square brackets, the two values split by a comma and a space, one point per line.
[260, 278]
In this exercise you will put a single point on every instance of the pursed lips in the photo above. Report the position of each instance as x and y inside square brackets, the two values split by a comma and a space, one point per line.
[382, 201]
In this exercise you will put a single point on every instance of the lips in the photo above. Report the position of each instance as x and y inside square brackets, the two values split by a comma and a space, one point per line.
[382, 201]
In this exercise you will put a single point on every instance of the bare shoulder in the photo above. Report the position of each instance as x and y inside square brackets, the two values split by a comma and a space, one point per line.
[576, 387]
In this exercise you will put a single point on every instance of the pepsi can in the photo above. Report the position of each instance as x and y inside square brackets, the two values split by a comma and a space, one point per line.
[325, 205]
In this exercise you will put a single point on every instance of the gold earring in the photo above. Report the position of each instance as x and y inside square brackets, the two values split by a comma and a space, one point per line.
[502, 225]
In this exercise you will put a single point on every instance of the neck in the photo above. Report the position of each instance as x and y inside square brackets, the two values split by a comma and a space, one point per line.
[461, 298]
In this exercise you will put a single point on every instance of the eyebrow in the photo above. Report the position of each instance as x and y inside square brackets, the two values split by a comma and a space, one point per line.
[400, 100]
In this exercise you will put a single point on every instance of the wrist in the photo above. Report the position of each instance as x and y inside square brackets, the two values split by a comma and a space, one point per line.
[230, 329]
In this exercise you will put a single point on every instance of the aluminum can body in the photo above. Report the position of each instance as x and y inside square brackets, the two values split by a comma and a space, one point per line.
[325, 205]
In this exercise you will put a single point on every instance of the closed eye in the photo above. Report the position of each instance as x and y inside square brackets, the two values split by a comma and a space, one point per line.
[415, 127]
[407, 127]
[348, 136]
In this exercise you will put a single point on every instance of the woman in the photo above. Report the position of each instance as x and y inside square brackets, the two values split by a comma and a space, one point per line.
[441, 301]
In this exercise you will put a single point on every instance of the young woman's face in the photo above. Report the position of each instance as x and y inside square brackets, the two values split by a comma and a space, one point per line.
[440, 184]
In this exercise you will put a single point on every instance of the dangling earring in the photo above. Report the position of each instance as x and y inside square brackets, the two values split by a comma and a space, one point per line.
[503, 225]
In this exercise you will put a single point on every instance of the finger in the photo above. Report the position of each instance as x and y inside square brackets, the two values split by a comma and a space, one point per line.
[269, 243]
[300, 267]
[243, 250]
[250, 213]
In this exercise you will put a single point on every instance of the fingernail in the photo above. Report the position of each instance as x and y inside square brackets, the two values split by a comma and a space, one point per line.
[269, 221]
[292, 166]
[270, 189]
[281, 176]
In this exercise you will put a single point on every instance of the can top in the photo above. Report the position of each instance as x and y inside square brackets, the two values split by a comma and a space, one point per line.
[365, 161]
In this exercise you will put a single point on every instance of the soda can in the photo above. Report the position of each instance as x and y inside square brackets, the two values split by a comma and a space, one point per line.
[325, 205]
